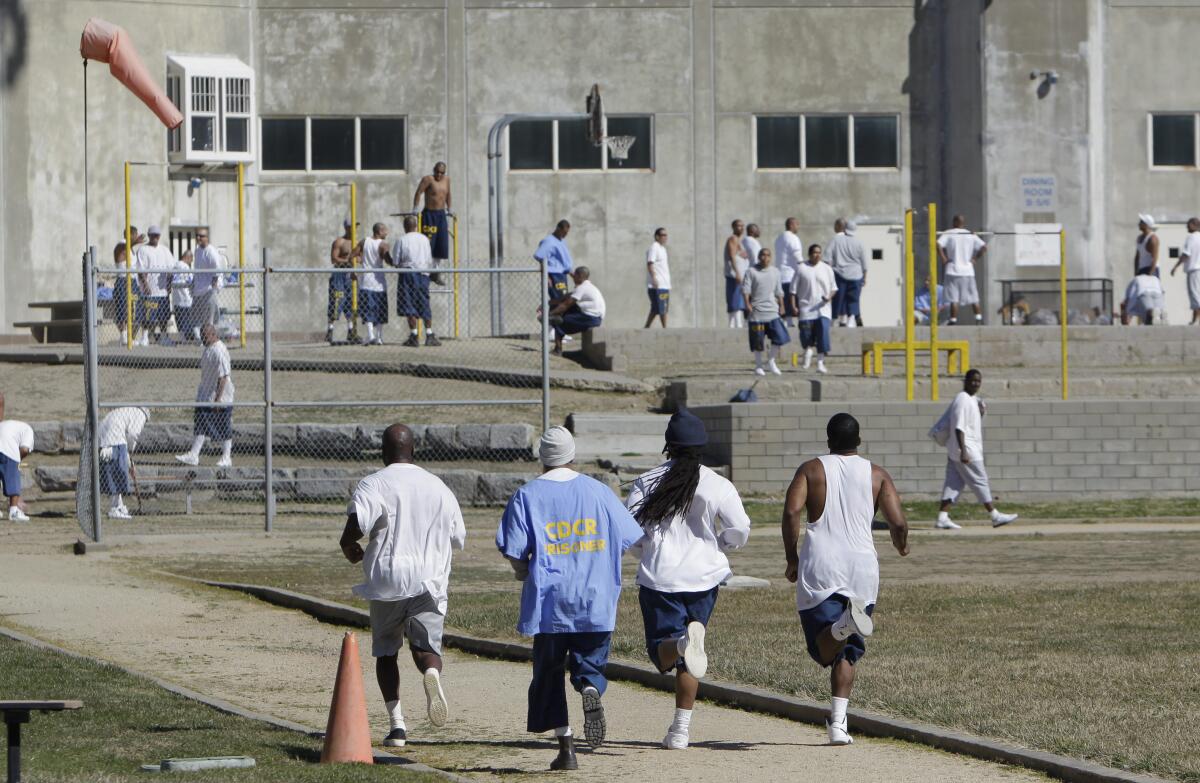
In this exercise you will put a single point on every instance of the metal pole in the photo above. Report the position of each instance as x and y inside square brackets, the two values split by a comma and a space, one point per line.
[268, 423]
[353, 259]
[241, 204]
[545, 348]
[1062, 311]
[87, 226]
[129, 325]
[909, 293]
[14, 719]
[934, 354]
[93, 371]
[456, 313]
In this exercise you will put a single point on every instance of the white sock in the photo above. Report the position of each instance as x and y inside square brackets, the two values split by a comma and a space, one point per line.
[837, 709]
[413, 332]
[379, 333]
[681, 644]
[683, 720]
[732, 321]
[741, 319]
[772, 352]
[370, 331]
[395, 714]
[115, 502]
[563, 731]
[945, 515]
[226, 449]
[758, 358]
[197, 445]
[428, 331]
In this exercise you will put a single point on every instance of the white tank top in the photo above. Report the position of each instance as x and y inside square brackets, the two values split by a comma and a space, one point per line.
[1144, 258]
[838, 552]
[372, 259]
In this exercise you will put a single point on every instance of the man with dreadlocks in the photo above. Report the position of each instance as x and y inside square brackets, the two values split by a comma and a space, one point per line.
[692, 517]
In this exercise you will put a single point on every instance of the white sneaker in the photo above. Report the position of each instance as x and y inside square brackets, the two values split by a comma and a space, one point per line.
[821, 366]
[675, 740]
[224, 462]
[694, 656]
[759, 371]
[124, 508]
[945, 523]
[999, 520]
[119, 513]
[17, 515]
[854, 620]
[568, 338]
[435, 698]
[124, 337]
[838, 732]
[808, 355]
[144, 340]
[774, 367]
[188, 459]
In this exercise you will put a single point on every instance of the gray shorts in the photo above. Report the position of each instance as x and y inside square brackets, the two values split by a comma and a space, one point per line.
[1193, 286]
[959, 477]
[205, 309]
[961, 290]
[417, 618]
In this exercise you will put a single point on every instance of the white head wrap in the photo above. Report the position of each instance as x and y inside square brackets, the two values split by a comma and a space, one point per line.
[557, 447]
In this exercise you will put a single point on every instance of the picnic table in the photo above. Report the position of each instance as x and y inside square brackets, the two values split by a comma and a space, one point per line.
[16, 713]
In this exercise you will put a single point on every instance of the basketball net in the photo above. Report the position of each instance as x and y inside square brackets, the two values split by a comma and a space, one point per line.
[618, 146]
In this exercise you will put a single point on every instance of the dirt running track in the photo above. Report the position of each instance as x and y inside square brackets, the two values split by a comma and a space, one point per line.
[282, 662]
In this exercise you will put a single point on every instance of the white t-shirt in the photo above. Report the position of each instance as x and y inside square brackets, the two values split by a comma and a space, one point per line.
[589, 299]
[121, 427]
[960, 246]
[1191, 249]
[1144, 293]
[687, 554]
[412, 520]
[656, 256]
[205, 258]
[814, 283]
[156, 257]
[14, 436]
[372, 258]
[181, 285]
[751, 246]
[965, 415]
[214, 365]
[838, 551]
[413, 251]
[789, 255]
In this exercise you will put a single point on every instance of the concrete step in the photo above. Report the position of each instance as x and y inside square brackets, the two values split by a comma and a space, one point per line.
[622, 424]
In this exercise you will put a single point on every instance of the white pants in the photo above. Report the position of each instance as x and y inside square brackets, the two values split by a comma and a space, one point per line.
[960, 476]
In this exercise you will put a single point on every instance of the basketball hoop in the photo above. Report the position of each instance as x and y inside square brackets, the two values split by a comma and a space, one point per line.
[597, 128]
[618, 146]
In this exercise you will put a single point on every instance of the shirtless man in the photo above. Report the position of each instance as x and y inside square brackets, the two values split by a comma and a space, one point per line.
[736, 263]
[340, 292]
[434, 224]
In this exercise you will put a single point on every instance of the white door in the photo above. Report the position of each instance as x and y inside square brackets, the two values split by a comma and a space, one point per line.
[883, 296]
[1170, 244]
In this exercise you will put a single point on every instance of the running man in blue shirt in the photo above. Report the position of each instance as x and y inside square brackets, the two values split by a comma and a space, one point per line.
[564, 534]
[554, 253]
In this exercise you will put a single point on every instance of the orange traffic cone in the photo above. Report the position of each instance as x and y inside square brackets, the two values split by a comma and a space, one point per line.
[347, 735]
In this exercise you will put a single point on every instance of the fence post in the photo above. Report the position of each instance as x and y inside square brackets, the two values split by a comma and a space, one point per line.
[1062, 316]
[545, 346]
[909, 293]
[268, 423]
[129, 308]
[241, 209]
[93, 383]
[933, 307]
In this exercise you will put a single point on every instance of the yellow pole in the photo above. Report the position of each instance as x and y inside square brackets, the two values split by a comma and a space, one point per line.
[454, 237]
[354, 261]
[934, 354]
[129, 326]
[1062, 311]
[420, 322]
[909, 293]
[241, 187]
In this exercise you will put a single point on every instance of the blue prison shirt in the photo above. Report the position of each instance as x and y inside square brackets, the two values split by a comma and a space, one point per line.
[554, 252]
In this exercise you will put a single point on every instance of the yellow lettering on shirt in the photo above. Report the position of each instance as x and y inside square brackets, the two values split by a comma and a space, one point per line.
[571, 537]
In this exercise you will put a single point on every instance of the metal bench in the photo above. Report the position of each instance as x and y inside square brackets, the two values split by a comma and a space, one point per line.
[958, 352]
[16, 713]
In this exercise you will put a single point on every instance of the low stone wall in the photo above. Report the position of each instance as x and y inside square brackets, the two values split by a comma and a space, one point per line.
[1033, 450]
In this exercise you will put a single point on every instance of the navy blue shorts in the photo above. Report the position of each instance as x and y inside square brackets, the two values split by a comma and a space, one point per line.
[10, 476]
[583, 654]
[412, 296]
[761, 330]
[815, 334]
[156, 311]
[372, 306]
[215, 423]
[340, 295]
[121, 304]
[734, 300]
[789, 301]
[114, 473]
[575, 321]
[825, 614]
[436, 229]
[183, 321]
[558, 286]
[845, 301]
[666, 616]
[660, 300]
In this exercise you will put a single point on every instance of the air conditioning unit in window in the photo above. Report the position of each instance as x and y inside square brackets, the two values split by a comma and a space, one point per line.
[215, 94]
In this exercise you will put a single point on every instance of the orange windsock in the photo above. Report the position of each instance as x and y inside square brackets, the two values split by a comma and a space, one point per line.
[348, 735]
[107, 43]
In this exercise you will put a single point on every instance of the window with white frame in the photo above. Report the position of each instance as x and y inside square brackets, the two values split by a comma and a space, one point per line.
[562, 145]
[305, 144]
[204, 114]
[237, 114]
[827, 141]
[1173, 140]
[215, 95]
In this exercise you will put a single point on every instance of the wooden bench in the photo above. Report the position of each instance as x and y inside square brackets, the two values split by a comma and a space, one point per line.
[65, 324]
[16, 713]
[958, 352]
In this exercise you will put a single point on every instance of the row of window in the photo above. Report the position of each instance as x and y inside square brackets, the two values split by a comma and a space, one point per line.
[827, 141]
[333, 144]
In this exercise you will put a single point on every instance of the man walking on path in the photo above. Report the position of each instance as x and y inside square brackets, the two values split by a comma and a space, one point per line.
[692, 517]
[837, 570]
[789, 256]
[960, 249]
[216, 385]
[849, 261]
[434, 217]
[412, 521]
[736, 264]
[412, 292]
[815, 287]
[564, 534]
[117, 438]
[341, 292]
[1189, 259]
[658, 278]
[764, 300]
[963, 424]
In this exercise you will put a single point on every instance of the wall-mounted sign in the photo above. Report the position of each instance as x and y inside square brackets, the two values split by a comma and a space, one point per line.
[1039, 193]
[1037, 244]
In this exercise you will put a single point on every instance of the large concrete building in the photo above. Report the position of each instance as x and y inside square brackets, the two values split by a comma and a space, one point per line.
[1074, 112]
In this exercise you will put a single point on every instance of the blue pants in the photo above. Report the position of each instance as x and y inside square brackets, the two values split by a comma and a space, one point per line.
[340, 296]
[734, 300]
[214, 423]
[666, 616]
[412, 297]
[585, 654]
[557, 286]
[845, 301]
[576, 321]
[10, 477]
[114, 473]
[815, 334]
[660, 300]
[824, 615]
[372, 306]
[761, 330]
[789, 301]
[156, 311]
[436, 229]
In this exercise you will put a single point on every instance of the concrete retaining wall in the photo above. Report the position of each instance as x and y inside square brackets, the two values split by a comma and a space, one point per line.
[1033, 450]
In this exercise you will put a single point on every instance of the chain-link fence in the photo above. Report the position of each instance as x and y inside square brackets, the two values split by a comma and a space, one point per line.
[270, 393]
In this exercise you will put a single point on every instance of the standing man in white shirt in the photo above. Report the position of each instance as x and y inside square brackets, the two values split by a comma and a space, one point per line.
[372, 285]
[764, 301]
[789, 256]
[216, 386]
[691, 517]
[964, 452]
[117, 438]
[736, 264]
[960, 249]
[414, 251]
[848, 258]
[181, 295]
[836, 571]
[752, 246]
[154, 286]
[16, 442]
[578, 311]
[1145, 255]
[658, 278]
[816, 286]
[412, 521]
[1189, 258]
[206, 284]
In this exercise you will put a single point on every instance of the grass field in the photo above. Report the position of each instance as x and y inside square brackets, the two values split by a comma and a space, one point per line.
[128, 721]
[1077, 643]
